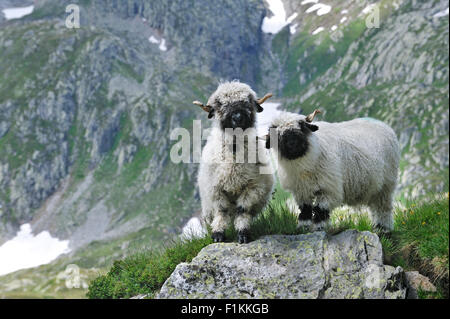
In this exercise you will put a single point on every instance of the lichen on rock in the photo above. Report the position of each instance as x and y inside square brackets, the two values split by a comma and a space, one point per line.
[309, 266]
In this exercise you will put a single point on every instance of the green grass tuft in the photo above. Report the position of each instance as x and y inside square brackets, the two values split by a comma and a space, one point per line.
[422, 239]
[426, 227]
[144, 273]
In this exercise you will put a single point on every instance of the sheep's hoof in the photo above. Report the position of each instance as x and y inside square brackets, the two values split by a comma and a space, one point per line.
[218, 237]
[244, 237]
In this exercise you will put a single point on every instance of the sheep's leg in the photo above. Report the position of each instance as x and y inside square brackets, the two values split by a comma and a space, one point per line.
[207, 210]
[321, 212]
[222, 218]
[306, 215]
[219, 224]
[242, 225]
[381, 210]
[321, 217]
[249, 198]
[325, 202]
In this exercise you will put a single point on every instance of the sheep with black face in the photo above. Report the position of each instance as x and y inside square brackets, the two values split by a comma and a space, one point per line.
[233, 188]
[325, 165]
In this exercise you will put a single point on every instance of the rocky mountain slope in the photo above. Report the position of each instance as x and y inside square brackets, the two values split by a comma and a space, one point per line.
[86, 114]
[92, 110]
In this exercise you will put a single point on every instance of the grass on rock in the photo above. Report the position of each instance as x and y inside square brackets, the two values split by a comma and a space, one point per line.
[144, 273]
[420, 241]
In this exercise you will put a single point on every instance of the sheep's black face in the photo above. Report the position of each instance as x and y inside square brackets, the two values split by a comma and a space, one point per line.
[293, 144]
[238, 115]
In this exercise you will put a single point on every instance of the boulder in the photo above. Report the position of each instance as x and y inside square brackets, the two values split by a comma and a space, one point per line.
[309, 266]
[415, 282]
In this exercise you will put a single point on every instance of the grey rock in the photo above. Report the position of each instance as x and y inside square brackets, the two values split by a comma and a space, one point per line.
[415, 282]
[311, 266]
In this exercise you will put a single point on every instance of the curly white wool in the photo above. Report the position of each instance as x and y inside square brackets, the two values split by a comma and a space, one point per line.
[230, 190]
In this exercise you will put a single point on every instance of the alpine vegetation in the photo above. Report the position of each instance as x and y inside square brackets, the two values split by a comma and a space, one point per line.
[325, 165]
[232, 185]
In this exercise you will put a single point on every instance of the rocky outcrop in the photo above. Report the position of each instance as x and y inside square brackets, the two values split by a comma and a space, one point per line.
[311, 266]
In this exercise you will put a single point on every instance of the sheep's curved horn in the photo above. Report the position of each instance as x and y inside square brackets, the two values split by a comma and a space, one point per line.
[205, 108]
[265, 98]
[311, 116]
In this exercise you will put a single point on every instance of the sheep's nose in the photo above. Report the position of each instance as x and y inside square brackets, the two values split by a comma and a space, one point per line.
[237, 117]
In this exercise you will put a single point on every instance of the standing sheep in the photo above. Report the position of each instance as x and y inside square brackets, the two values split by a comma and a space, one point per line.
[230, 188]
[325, 165]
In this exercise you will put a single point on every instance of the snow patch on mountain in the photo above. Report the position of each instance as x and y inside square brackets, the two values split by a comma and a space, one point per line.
[278, 21]
[27, 250]
[17, 13]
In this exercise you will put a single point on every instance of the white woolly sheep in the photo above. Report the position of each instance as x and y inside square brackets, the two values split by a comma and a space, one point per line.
[230, 188]
[325, 165]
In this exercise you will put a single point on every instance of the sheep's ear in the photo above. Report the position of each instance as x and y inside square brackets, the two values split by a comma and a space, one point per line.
[211, 114]
[311, 127]
[260, 101]
[259, 108]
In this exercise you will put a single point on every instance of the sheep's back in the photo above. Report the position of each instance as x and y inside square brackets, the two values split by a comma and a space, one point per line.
[369, 154]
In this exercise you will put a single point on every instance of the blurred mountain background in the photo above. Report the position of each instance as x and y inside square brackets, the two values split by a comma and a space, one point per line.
[86, 114]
